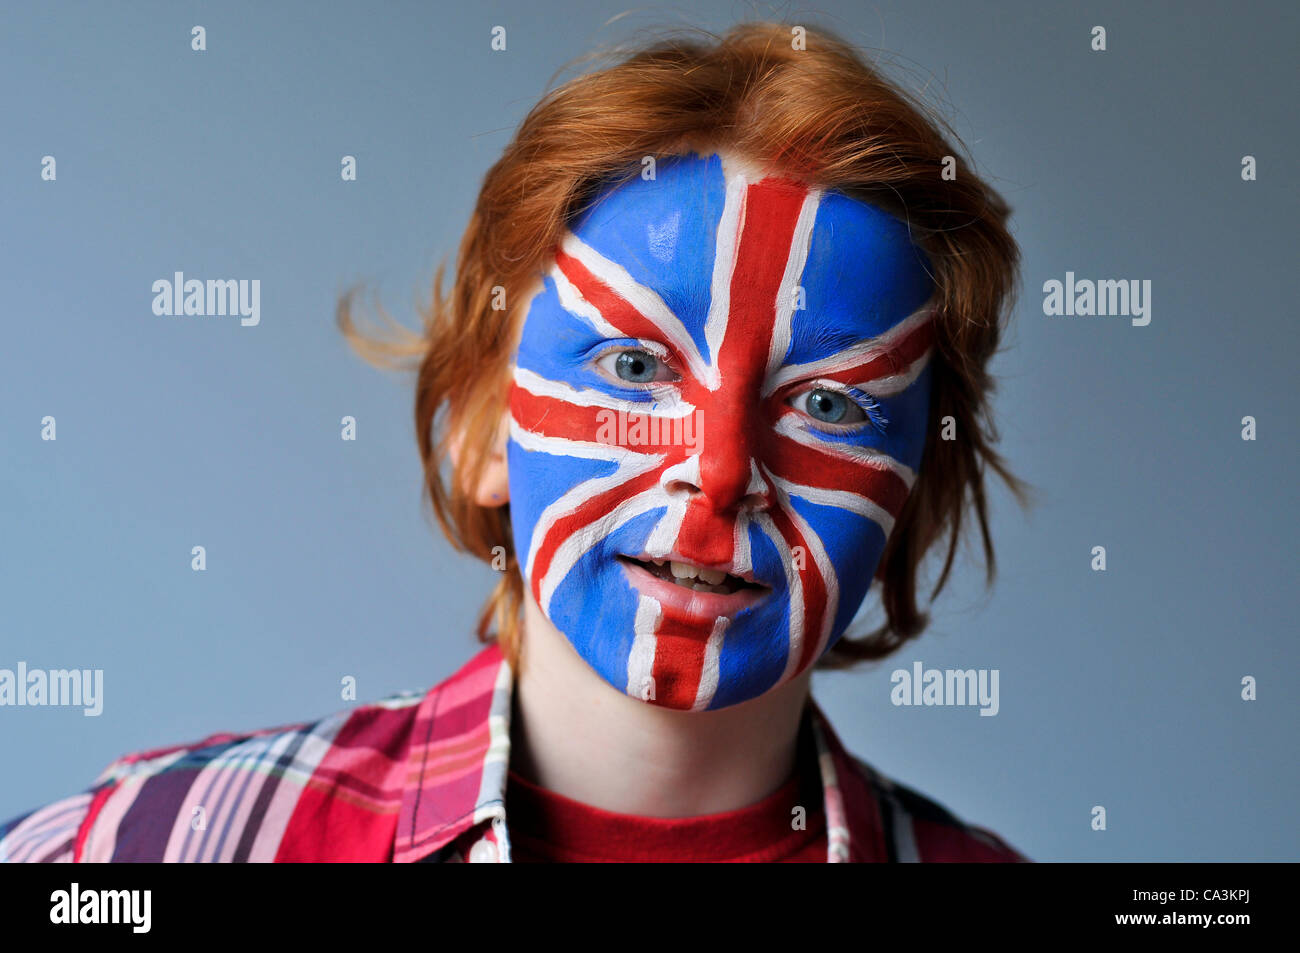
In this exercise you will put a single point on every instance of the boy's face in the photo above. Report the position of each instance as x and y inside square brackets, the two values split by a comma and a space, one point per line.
[719, 375]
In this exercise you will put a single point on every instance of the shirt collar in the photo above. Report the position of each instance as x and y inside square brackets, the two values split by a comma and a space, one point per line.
[460, 749]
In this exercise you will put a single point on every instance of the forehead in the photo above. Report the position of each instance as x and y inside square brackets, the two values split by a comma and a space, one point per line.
[857, 270]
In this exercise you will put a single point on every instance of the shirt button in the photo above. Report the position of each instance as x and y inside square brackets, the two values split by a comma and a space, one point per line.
[483, 852]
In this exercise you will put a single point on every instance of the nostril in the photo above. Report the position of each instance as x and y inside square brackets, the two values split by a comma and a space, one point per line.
[681, 486]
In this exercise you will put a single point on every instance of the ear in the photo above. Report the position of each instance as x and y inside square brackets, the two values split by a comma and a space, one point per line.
[493, 487]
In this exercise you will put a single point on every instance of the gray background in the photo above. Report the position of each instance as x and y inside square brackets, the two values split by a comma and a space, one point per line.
[1118, 688]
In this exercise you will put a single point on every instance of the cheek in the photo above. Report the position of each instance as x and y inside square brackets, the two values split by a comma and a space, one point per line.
[541, 488]
[853, 544]
[909, 414]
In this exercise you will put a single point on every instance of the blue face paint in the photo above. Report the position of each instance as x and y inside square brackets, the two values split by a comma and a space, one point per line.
[719, 405]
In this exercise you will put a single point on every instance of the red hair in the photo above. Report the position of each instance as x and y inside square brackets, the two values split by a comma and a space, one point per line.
[819, 113]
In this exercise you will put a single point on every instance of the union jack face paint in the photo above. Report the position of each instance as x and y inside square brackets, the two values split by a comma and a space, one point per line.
[720, 373]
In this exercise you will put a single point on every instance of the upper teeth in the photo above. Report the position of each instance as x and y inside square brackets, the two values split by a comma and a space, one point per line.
[686, 571]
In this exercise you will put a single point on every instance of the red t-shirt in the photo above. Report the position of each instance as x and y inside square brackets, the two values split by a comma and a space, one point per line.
[546, 827]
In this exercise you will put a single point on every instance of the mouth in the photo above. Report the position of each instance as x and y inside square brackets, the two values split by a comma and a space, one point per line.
[695, 590]
[695, 578]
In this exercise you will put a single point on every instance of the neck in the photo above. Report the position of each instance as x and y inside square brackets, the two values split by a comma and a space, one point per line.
[576, 735]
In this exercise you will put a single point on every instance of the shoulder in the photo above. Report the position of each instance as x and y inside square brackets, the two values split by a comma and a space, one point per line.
[918, 829]
[270, 794]
[875, 818]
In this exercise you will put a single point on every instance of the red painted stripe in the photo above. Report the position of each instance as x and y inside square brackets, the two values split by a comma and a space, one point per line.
[901, 354]
[679, 660]
[809, 467]
[612, 306]
[768, 216]
[811, 581]
[585, 514]
[631, 430]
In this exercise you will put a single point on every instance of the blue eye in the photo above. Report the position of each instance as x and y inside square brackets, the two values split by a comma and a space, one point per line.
[636, 366]
[843, 412]
[832, 408]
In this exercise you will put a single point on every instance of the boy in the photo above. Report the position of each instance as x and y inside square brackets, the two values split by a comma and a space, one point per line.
[711, 312]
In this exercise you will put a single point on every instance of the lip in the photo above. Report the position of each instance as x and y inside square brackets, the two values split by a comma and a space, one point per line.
[705, 606]
[675, 556]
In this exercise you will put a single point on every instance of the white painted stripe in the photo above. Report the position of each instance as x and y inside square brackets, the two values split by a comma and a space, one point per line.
[863, 352]
[824, 566]
[724, 260]
[644, 300]
[564, 447]
[895, 383]
[794, 585]
[853, 502]
[663, 537]
[668, 405]
[708, 686]
[740, 554]
[641, 660]
[790, 280]
[790, 426]
[822, 562]
[581, 541]
[635, 465]
[571, 300]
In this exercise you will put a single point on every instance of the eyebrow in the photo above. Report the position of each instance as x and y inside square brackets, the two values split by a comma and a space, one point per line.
[882, 365]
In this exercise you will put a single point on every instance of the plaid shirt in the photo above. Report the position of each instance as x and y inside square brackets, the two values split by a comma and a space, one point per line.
[415, 777]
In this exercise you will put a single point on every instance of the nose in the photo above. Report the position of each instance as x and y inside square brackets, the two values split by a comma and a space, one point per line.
[723, 473]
